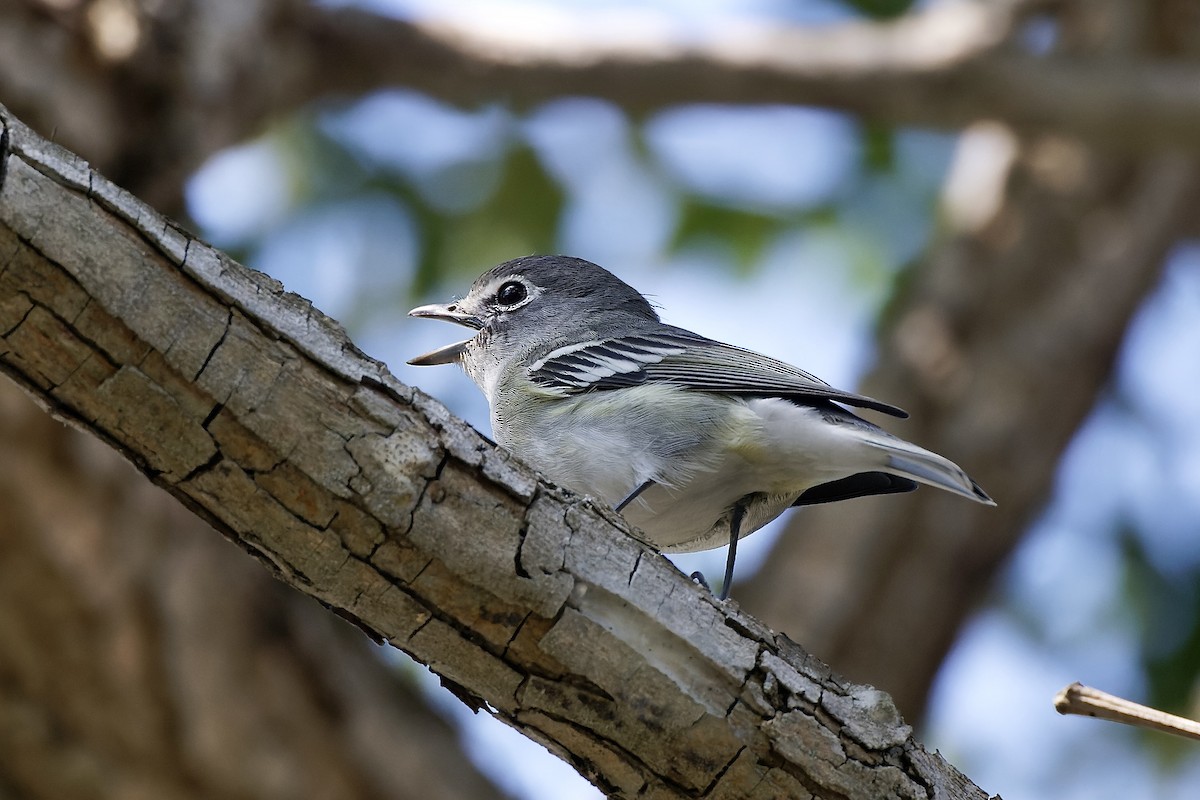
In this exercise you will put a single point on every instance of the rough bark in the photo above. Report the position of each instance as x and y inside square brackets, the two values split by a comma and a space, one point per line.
[270, 698]
[254, 409]
[142, 656]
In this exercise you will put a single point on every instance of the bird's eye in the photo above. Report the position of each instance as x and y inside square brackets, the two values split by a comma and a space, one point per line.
[511, 293]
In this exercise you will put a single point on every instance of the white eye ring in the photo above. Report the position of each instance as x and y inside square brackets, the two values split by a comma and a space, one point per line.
[512, 294]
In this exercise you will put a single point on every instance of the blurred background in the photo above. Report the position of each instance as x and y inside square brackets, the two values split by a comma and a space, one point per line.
[941, 204]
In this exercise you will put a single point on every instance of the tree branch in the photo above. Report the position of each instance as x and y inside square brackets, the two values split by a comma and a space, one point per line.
[143, 656]
[228, 68]
[946, 67]
[255, 410]
[999, 344]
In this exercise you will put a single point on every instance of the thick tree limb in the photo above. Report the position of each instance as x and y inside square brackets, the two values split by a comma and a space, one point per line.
[141, 656]
[946, 67]
[202, 75]
[256, 411]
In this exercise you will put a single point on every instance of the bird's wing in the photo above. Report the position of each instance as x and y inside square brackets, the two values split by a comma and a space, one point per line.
[686, 359]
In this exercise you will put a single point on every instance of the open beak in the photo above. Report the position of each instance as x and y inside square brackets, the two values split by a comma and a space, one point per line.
[450, 353]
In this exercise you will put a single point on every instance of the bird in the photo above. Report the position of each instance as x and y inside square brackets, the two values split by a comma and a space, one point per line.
[695, 442]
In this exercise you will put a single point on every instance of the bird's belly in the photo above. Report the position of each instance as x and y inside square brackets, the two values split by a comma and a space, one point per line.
[729, 450]
[608, 443]
[603, 461]
[696, 515]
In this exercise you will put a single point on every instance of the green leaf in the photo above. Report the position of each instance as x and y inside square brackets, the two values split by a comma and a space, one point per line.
[521, 217]
[742, 233]
[878, 147]
[880, 9]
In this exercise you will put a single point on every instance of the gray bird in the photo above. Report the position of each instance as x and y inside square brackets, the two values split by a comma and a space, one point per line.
[695, 442]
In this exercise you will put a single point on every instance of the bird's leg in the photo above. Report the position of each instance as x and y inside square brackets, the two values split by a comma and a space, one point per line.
[735, 528]
[633, 496]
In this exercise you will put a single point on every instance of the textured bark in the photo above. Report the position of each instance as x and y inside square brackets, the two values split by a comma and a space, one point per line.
[270, 698]
[253, 409]
[142, 656]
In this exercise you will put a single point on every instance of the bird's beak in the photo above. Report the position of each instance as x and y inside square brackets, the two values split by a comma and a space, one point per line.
[451, 352]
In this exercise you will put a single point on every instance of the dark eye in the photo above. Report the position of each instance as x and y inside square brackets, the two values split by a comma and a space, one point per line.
[511, 293]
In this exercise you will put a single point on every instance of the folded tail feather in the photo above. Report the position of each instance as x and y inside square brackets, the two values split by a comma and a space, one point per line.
[909, 461]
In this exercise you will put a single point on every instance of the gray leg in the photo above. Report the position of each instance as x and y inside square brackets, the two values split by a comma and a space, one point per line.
[632, 496]
[735, 528]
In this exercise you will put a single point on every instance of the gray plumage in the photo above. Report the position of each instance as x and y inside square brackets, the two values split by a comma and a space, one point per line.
[587, 385]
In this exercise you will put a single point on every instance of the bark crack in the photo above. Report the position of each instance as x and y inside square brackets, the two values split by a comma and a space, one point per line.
[437, 474]
[8, 260]
[521, 534]
[517, 566]
[216, 346]
[914, 771]
[721, 772]
[212, 415]
[25, 316]
[637, 562]
[516, 632]
[631, 759]
[4, 151]
[91, 344]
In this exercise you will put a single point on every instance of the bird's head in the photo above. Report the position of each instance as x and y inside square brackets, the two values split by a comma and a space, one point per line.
[534, 299]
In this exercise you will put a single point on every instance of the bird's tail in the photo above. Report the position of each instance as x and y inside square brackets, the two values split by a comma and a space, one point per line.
[906, 459]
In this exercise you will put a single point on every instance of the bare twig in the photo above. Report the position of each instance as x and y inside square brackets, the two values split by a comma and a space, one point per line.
[1089, 702]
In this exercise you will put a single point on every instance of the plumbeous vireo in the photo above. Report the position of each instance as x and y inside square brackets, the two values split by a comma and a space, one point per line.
[695, 442]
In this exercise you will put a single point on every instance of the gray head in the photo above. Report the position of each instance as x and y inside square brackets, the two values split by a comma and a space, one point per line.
[535, 298]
